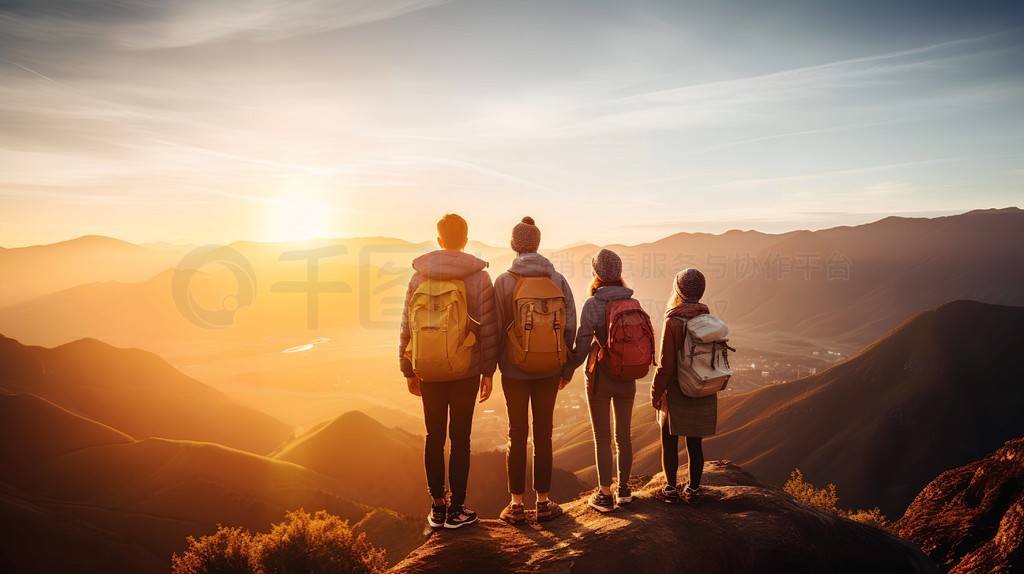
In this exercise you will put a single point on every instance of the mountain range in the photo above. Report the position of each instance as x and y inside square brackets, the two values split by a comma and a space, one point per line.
[937, 392]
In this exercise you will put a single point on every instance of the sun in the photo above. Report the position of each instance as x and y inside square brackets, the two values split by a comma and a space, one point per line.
[301, 214]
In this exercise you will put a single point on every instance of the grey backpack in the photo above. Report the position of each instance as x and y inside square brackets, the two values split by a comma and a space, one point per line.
[703, 361]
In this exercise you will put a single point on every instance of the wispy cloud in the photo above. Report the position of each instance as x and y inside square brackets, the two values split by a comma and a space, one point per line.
[193, 22]
[834, 173]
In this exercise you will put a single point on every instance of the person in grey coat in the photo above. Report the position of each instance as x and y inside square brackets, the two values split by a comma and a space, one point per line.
[523, 390]
[605, 393]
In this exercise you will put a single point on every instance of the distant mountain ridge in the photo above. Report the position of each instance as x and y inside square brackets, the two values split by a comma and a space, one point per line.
[847, 285]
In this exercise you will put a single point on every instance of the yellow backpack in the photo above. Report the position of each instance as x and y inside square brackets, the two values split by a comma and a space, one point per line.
[536, 335]
[441, 344]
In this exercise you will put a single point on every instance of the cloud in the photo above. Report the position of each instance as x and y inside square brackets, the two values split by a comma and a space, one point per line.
[835, 173]
[182, 23]
[889, 80]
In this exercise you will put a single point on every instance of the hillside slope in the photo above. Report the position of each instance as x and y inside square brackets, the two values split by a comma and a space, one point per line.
[385, 466]
[85, 498]
[135, 392]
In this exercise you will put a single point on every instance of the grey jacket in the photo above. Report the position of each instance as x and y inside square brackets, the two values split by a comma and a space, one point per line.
[528, 265]
[446, 264]
[592, 324]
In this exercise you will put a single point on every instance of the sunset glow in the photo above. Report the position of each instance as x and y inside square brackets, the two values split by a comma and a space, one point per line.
[194, 122]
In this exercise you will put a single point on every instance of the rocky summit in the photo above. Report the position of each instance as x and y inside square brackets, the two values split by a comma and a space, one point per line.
[738, 525]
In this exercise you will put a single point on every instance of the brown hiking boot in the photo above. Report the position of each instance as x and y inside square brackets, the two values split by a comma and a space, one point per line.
[547, 510]
[514, 513]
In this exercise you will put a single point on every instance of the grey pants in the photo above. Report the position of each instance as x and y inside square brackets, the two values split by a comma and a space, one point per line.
[618, 396]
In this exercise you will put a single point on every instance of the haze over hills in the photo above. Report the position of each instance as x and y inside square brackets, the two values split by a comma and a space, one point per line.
[30, 272]
[773, 289]
[802, 283]
[135, 392]
[939, 391]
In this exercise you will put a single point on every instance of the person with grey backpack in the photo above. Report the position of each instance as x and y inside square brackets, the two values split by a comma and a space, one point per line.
[693, 369]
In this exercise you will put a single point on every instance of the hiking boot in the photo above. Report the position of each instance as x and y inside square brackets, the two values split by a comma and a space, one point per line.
[623, 496]
[669, 494]
[459, 516]
[438, 515]
[514, 513]
[547, 510]
[601, 502]
[692, 494]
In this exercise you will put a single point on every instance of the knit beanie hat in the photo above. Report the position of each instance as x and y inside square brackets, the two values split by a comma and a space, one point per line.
[525, 236]
[690, 285]
[607, 265]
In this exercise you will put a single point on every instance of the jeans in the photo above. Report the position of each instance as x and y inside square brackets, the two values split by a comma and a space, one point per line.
[617, 395]
[448, 404]
[520, 395]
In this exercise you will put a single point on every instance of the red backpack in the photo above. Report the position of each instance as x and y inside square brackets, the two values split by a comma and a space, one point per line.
[629, 354]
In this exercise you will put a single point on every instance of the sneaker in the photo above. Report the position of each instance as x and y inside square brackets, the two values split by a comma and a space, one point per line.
[623, 496]
[692, 493]
[459, 516]
[601, 502]
[668, 495]
[514, 513]
[547, 510]
[437, 516]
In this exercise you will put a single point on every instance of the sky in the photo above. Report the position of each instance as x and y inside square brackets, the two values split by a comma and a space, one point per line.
[199, 121]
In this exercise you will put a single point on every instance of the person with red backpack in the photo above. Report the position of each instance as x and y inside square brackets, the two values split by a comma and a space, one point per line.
[536, 311]
[448, 351]
[616, 340]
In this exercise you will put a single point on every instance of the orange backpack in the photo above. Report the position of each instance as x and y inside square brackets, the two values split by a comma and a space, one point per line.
[536, 335]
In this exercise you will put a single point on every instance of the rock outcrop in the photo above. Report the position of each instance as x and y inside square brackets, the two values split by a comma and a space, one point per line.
[739, 525]
[971, 519]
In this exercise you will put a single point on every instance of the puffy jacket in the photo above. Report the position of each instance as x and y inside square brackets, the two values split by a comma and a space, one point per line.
[445, 265]
[592, 324]
[528, 265]
[672, 339]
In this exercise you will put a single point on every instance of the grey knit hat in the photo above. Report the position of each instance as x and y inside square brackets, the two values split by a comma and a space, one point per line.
[525, 236]
[690, 285]
[607, 265]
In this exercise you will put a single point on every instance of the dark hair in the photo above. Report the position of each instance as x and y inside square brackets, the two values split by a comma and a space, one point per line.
[452, 231]
[597, 283]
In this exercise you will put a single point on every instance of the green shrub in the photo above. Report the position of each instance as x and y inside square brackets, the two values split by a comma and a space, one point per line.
[827, 500]
[302, 543]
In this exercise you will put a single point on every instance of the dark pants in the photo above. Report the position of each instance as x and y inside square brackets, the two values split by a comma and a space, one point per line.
[609, 395]
[670, 457]
[448, 404]
[520, 395]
